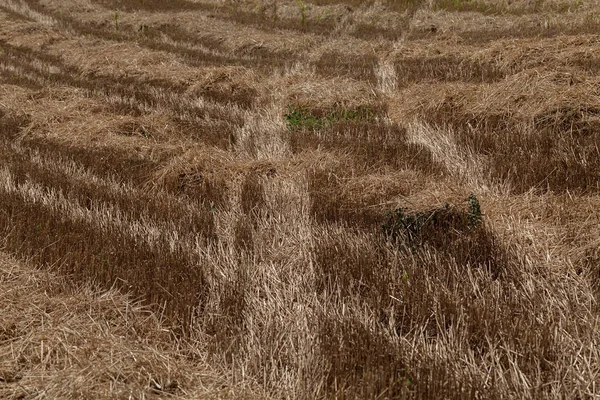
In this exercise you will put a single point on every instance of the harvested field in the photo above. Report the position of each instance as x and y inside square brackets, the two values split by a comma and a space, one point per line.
[317, 199]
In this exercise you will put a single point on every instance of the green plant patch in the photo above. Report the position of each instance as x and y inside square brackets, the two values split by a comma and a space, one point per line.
[299, 118]
[432, 225]
[499, 8]
[454, 232]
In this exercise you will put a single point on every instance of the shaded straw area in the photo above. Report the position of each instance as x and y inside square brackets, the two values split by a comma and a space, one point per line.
[63, 341]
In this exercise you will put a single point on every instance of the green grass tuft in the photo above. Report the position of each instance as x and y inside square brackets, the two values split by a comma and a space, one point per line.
[299, 118]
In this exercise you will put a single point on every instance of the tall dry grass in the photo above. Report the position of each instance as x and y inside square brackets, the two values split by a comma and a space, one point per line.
[331, 205]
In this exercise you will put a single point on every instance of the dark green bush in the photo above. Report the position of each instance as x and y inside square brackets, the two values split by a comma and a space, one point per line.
[422, 226]
[458, 232]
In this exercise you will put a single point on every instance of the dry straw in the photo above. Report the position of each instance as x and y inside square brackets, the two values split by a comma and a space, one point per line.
[289, 199]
